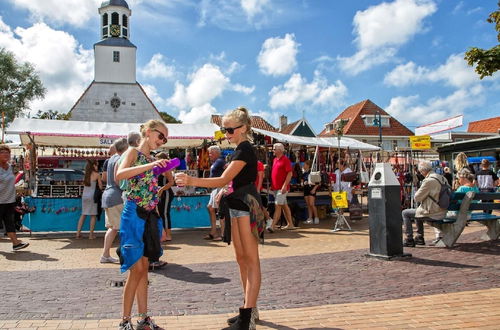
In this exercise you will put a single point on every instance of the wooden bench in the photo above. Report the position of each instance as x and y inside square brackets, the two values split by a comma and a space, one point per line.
[451, 228]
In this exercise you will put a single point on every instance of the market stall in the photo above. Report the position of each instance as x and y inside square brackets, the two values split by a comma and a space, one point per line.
[54, 194]
[333, 144]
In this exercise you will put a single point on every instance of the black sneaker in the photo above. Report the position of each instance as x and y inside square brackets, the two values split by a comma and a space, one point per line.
[409, 242]
[125, 325]
[20, 246]
[419, 240]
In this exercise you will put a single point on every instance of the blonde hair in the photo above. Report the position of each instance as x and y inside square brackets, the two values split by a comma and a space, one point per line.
[461, 161]
[242, 117]
[152, 124]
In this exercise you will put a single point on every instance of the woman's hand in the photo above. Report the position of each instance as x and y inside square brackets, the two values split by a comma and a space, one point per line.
[159, 162]
[182, 179]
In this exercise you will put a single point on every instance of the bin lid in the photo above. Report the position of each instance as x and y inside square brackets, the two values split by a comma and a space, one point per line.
[383, 176]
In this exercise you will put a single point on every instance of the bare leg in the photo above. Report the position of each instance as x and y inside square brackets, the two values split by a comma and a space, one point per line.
[92, 226]
[238, 251]
[135, 275]
[213, 223]
[108, 241]
[80, 225]
[13, 238]
[250, 260]
[276, 216]
[288, 215]
[312, 200]
[142, 288]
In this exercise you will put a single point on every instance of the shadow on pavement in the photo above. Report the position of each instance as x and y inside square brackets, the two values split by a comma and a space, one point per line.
[272, 325]
[185, 274]
[488, 247]
[27, 256]
[430, 262]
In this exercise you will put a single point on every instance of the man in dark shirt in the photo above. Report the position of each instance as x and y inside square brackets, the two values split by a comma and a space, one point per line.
[216, 170]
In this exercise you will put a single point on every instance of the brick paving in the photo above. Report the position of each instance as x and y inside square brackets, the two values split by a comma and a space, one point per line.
[312, 279]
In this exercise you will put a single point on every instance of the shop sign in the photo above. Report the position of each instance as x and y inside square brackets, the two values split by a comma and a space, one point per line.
[420, 142]
[106, 141]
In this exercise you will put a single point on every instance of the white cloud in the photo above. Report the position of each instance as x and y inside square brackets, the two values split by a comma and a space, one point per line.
[254, 7]
[409, 110]
[198, 114]
[243, 15]
[64, 66]
[381, 29]
[297, 91]
[455, 72]
[152, 93]
[278, 55]
[157, 68]
[243, 89]
[73, 12]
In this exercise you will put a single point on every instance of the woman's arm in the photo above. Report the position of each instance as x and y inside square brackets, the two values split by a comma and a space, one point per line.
[182, 179]
[126, 170]
[99, 181]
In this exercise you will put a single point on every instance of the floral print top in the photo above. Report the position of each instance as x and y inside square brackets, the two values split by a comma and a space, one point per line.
[143, 188]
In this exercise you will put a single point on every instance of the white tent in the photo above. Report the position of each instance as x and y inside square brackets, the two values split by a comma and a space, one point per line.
[329, 142]
[69, 133]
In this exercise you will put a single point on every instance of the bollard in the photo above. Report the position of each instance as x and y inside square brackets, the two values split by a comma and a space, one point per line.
[384, 214]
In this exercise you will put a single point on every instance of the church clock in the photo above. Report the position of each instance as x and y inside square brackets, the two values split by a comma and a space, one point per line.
[114, 30]
[115, 103]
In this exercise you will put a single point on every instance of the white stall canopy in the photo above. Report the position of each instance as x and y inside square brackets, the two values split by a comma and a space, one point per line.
[69, 133]
[328, 142]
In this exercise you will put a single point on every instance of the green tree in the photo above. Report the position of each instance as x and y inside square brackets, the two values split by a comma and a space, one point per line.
[19, 85]
[169, 119]
[487, 60]
[51, 114]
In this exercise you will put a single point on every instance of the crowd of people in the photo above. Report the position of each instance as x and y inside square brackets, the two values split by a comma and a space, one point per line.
[428, 195]
[136, 204]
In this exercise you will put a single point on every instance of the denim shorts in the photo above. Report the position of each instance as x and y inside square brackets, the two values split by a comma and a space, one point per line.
[238, 213]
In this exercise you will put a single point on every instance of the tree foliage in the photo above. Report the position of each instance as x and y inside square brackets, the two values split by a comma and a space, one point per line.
[51, 114]
[19, 85]
[169, 119]
[487, 61]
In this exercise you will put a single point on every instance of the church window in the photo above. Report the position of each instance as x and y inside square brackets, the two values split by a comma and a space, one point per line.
[105, 19]
[133, 104]
[124, 32]
[105, 32]
[115, 18]
[125, 21]
[116, 56]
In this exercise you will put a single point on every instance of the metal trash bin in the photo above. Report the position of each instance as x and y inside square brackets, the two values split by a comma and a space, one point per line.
[384, 213]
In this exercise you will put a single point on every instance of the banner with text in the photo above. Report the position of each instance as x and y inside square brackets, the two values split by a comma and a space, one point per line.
[420, 142]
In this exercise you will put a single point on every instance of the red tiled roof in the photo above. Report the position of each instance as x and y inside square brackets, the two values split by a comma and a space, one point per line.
[490, 125]
[257, 122]
[288, 129]
[356, 125]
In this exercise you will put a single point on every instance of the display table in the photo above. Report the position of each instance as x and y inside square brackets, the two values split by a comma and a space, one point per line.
[190, 211]
[62, 214]
[57, 214]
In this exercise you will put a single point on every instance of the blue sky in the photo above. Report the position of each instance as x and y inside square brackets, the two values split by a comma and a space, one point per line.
[292, 57]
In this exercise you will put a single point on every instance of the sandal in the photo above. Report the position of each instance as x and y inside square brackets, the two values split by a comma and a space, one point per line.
[208, 237]
[217, 239]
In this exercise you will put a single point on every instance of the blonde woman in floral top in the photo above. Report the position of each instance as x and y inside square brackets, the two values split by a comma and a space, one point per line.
[140, 228]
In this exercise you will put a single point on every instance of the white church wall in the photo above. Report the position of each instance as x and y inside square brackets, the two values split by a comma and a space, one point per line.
[106, 70]
[95, 104]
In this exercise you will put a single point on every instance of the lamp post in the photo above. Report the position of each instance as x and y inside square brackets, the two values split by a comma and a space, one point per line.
[377, 121]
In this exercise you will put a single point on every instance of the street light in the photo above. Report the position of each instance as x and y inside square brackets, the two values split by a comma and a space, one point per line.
[378, 122]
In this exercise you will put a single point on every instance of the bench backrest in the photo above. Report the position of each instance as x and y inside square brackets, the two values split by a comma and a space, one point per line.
[487, 203]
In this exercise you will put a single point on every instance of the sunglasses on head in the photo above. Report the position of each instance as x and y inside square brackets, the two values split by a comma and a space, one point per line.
[161, 136]
[229, 130]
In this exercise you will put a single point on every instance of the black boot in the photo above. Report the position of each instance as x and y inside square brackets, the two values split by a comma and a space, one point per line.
[255, 317]
[244, 320]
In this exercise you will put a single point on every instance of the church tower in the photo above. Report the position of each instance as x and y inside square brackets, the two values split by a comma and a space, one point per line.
[114, 95]
[115, 55]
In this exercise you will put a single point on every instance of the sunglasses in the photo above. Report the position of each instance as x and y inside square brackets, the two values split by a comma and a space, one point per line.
[161, 136]
[229, 130]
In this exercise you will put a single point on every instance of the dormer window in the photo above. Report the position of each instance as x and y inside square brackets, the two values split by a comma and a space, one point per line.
[115, 18]
[329, 127]
[372, 120]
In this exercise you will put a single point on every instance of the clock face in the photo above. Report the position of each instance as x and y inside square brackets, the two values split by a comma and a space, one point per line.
[115, 30]
[115, 103]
